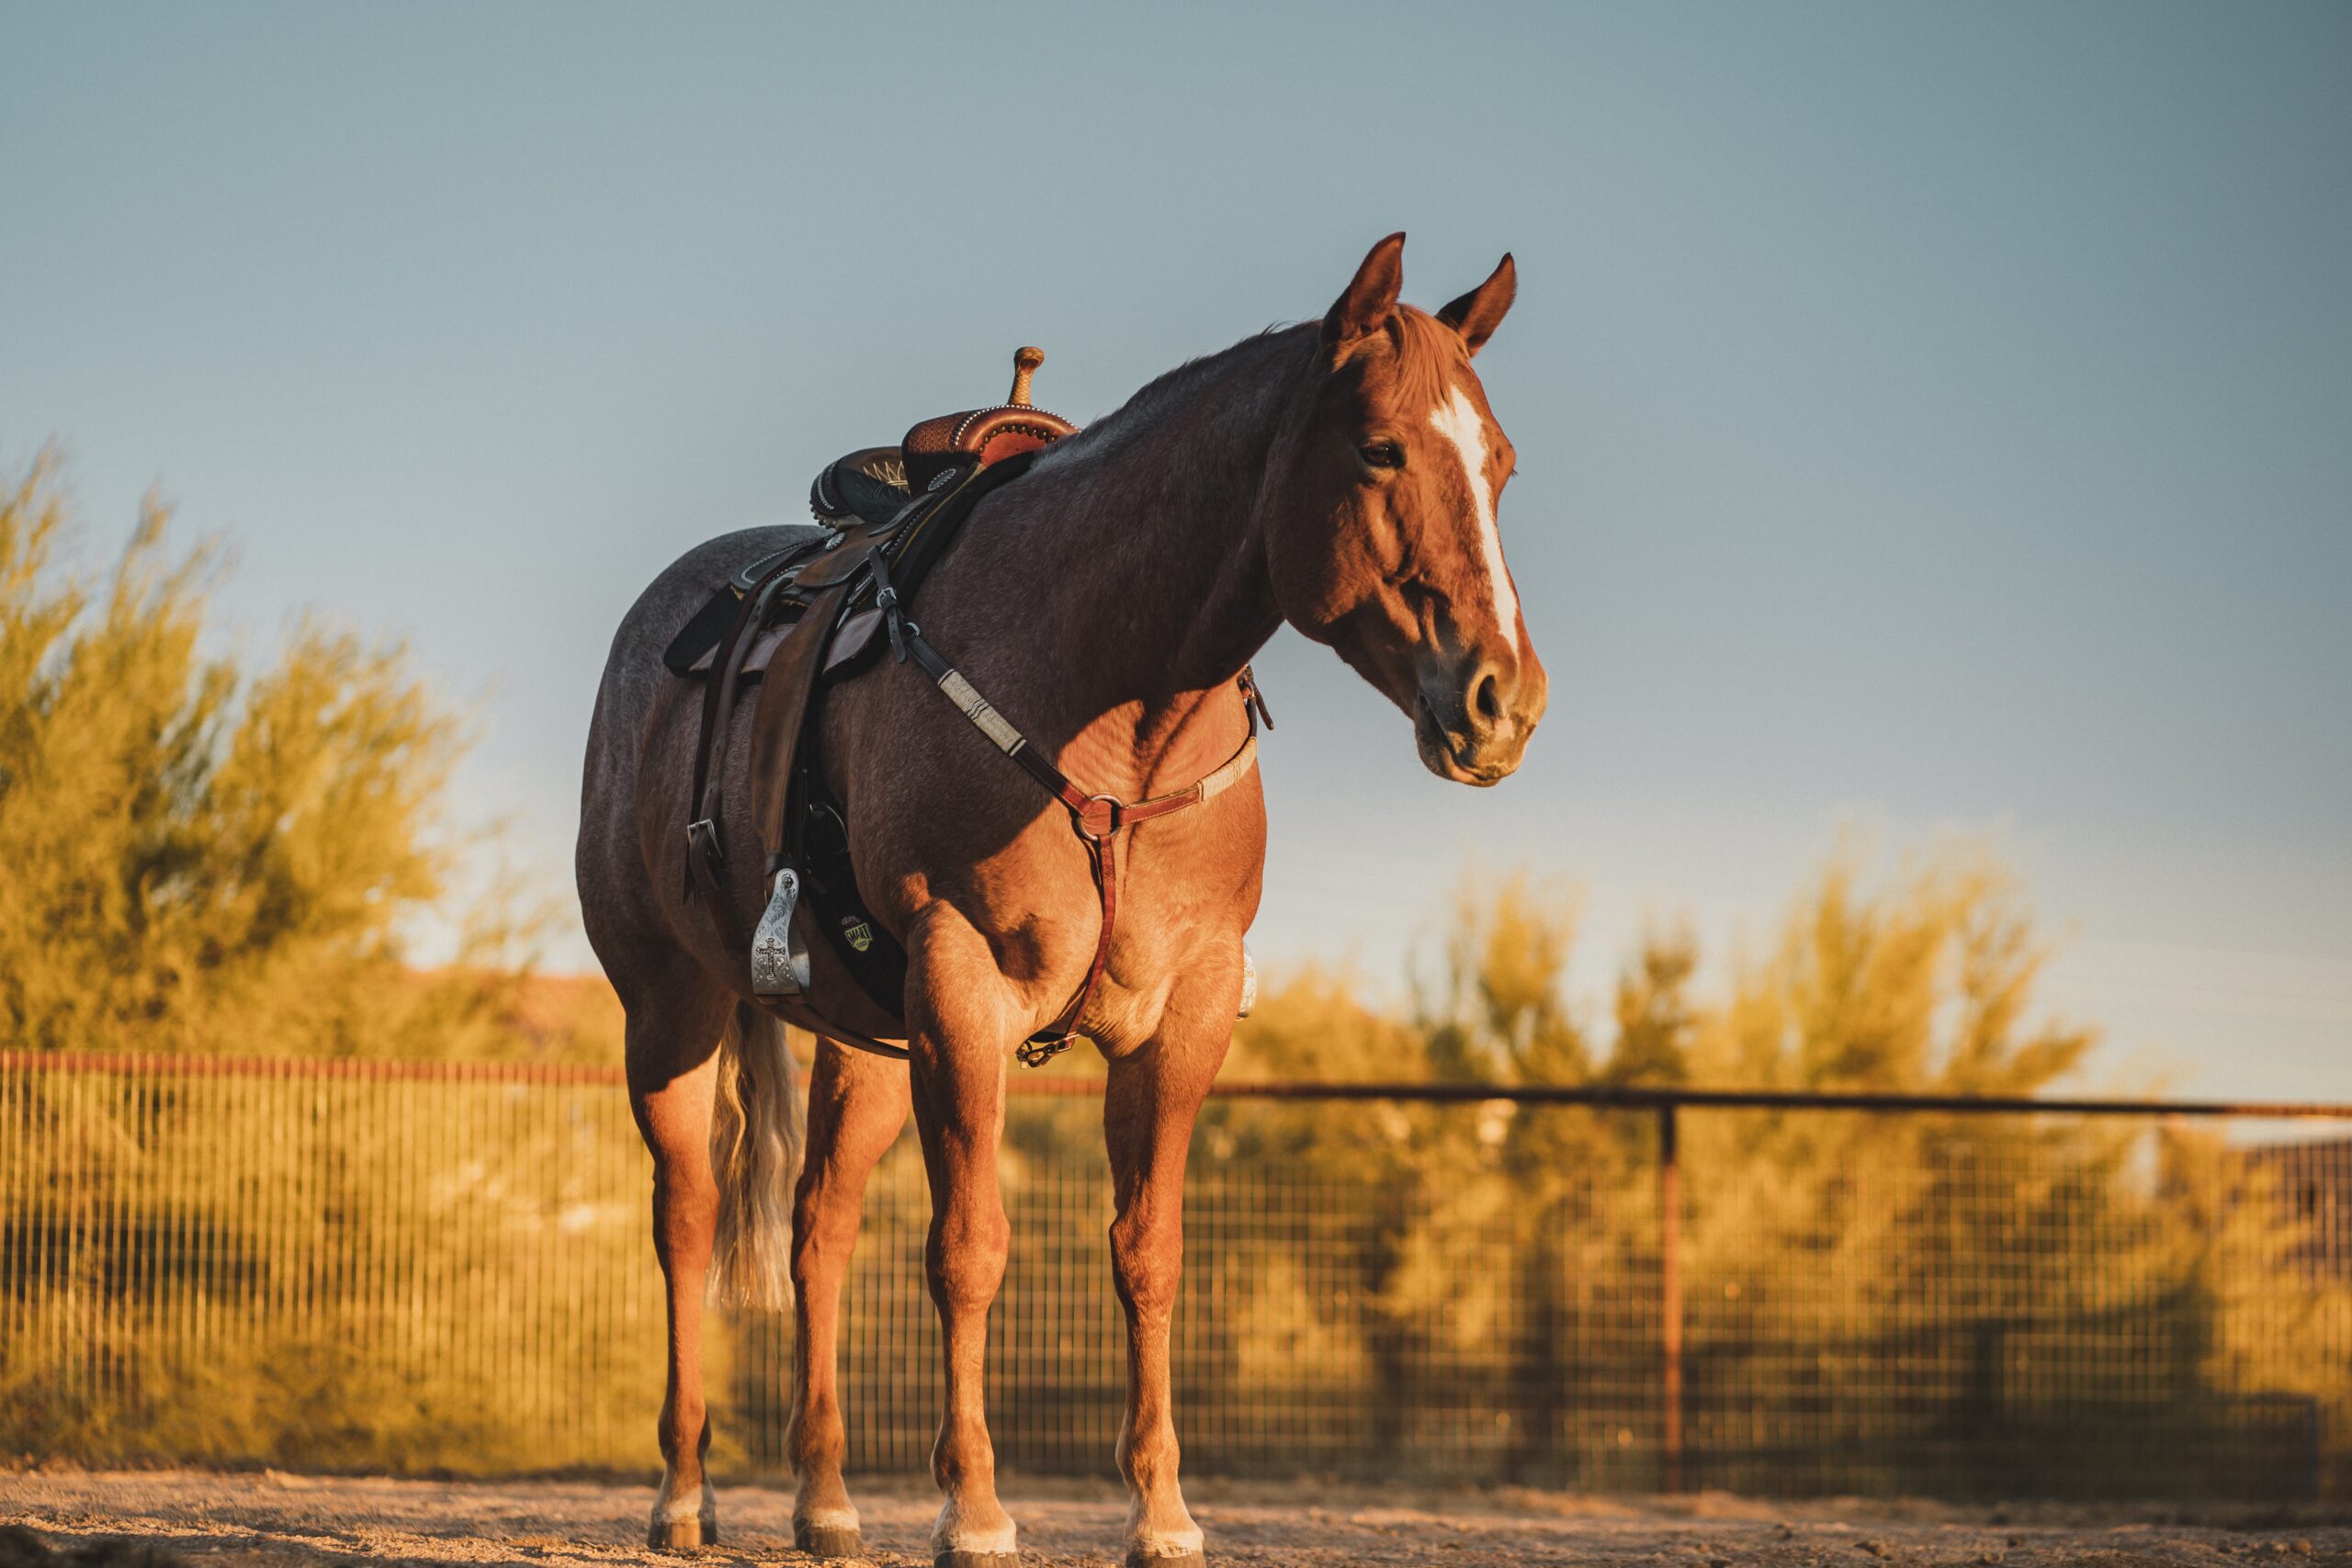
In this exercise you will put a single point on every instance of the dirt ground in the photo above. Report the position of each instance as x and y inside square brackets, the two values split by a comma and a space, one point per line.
[285, 1521]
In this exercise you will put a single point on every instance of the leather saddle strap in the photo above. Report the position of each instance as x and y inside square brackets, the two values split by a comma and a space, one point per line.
[1098, 818]
[718, 702]
[785, 691]
[792, 1009]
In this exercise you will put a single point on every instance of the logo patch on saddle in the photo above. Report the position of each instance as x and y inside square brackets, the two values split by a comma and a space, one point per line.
[857, 933]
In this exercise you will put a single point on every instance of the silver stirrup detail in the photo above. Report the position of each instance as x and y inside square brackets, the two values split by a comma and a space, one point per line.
[1248, 983]
[779, 964]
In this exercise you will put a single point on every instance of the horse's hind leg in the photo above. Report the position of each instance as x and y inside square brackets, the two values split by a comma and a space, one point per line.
[1148, 1108]
[858, 1103]
[673, 1067]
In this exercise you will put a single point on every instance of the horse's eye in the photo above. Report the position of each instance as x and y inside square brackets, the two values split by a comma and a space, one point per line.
[1381, 454]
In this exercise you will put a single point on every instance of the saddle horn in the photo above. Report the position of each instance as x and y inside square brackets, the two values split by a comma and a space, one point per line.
[1025, 362]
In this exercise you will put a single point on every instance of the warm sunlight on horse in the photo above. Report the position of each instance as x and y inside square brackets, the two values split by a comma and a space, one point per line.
[1341, 475]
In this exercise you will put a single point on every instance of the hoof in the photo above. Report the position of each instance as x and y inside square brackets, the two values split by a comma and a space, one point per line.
[1183, 1560]
[828, 1541]
[977, 1560]
[682, 1535]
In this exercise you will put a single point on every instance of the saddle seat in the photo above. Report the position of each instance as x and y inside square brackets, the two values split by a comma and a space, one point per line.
[873, 484]
[868, 485]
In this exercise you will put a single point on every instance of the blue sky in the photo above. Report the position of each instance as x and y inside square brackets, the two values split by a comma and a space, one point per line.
[1931, 419]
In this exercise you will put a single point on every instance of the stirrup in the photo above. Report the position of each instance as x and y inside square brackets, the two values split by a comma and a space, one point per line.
[779, 962]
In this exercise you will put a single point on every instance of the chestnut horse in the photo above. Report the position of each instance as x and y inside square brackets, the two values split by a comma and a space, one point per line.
[1340, 475]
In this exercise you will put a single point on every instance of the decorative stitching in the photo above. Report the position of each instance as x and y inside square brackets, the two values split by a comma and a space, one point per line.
[1036, 430]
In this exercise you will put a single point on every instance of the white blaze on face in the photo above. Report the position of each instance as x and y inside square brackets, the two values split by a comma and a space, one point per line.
[1457, 420]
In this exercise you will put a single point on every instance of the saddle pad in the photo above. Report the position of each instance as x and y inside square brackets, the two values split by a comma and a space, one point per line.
[691, 651]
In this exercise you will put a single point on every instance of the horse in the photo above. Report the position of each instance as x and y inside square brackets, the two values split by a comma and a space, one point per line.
[1339, 475]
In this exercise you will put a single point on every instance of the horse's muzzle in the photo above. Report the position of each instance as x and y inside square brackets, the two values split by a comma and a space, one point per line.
[1472, 717]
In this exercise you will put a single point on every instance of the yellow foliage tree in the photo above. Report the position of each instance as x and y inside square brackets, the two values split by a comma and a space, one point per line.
[1511, 1257]
[204, 858]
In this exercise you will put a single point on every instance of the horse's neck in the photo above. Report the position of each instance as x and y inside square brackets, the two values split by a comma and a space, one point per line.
[1125, 580]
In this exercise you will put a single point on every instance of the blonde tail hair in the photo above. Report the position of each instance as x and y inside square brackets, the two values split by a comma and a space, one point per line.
[756, 1130]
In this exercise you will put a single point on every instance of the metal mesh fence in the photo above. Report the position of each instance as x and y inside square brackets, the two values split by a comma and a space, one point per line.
[432, 1268]
[322, 1264]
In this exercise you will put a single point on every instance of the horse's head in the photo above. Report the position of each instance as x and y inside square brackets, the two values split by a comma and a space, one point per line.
[1380, 521]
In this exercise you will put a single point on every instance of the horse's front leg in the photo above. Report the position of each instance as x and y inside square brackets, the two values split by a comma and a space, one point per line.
[856, 1105]
[1149, 1109]
[960, 1022]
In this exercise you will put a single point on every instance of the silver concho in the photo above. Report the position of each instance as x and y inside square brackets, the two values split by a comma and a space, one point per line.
[779, 964]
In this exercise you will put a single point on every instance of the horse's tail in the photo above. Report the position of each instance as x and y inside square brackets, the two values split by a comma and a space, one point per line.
[756, 1132]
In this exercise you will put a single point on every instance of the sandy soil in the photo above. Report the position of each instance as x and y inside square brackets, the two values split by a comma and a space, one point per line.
[285, 1521]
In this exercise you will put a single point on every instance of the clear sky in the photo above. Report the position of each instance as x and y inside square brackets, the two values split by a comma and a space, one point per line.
[1929, 419]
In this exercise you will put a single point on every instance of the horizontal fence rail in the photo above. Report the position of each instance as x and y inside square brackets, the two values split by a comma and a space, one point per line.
[433, 1266]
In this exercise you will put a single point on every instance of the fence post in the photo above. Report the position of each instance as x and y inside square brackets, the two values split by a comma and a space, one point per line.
[1670, 1290]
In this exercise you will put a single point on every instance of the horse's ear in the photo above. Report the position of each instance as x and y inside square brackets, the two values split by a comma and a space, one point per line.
[1477, 313]
[1372, 297]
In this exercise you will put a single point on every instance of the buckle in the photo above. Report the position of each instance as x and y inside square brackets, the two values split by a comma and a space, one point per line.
[1101, 816]
[702, 839]
[1253, 695]
[1037, 1053]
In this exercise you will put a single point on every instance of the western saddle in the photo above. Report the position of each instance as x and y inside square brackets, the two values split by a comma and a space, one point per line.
[821, 610]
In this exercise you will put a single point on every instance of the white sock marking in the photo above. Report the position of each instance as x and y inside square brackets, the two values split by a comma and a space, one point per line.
[949, 1533]
[1165, 1544]
[1457, 420]
[670, 1510]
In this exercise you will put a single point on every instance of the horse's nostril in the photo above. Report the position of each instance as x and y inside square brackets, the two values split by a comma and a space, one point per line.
[1486, 698]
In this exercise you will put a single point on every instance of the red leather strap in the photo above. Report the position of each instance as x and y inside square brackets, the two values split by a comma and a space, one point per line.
[1105, 856]
[1097, 819]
